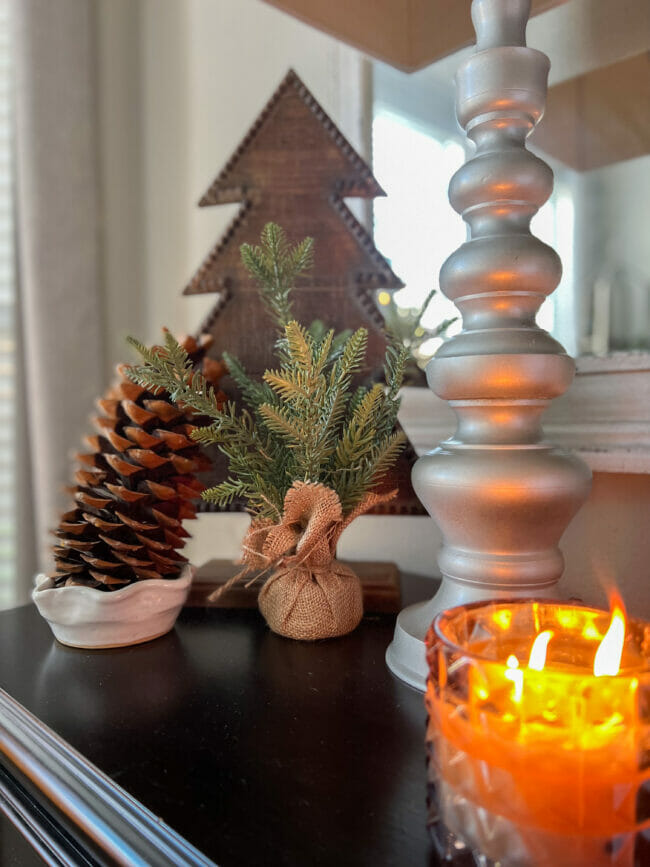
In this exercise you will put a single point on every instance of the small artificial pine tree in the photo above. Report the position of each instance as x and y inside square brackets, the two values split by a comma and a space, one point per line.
[304, 421]
[135, 486]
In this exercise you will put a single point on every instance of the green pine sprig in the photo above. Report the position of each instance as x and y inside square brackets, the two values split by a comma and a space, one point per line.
[276, 265]
[304, 420]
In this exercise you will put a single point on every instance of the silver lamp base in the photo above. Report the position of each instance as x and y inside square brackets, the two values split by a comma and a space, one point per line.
[500, 493]
[406, 655]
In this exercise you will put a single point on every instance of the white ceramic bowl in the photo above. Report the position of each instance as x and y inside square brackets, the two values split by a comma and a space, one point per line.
[89, 618]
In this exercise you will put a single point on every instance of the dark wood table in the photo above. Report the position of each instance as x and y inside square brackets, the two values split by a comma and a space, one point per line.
[254, 749]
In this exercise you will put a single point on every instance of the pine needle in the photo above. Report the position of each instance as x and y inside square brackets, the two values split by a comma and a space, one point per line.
[304, 420]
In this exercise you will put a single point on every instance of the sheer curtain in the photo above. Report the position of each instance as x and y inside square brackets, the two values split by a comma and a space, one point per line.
[60, 341]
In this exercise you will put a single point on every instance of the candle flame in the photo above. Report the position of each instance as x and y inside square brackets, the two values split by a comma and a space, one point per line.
[502, 618]
[590, 631]
[608, 656]
[537, 659]
[516, 675]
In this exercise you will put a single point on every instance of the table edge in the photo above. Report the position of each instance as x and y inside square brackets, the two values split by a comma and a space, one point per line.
[117, 823]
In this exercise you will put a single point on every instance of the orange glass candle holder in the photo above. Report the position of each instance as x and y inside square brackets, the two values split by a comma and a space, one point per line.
[538, 735]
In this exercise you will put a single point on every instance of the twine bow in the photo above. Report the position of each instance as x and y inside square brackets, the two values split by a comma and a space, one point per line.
[306, 536]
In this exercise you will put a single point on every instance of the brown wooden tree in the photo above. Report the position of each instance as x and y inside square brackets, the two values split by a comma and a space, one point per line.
[294, 167]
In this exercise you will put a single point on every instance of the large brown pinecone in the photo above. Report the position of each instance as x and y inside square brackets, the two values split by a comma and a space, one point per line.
[135, 486]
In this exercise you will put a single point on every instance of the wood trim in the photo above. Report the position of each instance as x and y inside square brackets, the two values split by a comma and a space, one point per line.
[616, 362]
[604, 416]
[409, 34]
[599, 118]
[118, 825]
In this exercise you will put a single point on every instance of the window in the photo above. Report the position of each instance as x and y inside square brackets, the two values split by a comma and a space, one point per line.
[416, 227]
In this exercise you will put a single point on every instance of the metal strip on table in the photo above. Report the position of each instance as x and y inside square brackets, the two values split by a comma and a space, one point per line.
[118, 824]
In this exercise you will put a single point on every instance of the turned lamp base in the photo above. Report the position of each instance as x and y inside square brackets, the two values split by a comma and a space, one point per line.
[406, 654]
[500, 493]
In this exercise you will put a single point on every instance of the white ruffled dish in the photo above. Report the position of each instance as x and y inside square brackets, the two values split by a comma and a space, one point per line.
[94, 619]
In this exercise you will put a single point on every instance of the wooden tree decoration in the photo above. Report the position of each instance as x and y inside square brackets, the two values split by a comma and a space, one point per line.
[294, 167]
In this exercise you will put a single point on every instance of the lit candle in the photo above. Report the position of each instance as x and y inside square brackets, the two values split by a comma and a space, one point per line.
[539, 734]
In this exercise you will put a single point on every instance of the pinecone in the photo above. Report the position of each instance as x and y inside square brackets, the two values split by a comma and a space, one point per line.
[135, 487]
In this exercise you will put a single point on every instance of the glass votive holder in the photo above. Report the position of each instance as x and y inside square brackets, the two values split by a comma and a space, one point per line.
[534, 760]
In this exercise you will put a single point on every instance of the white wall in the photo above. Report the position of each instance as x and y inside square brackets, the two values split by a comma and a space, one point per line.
[608, 544]
[180, 84]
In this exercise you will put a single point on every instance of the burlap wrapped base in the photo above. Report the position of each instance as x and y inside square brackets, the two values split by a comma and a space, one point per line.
[309, 594]
[304, 604]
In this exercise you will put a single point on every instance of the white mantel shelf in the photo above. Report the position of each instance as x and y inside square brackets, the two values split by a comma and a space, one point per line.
[604, 417]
